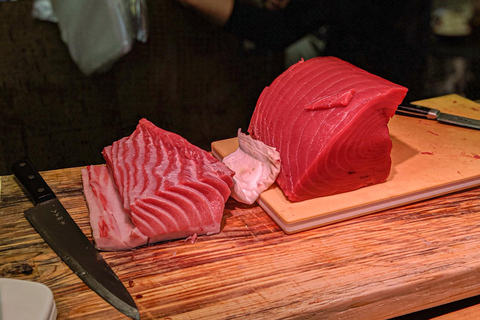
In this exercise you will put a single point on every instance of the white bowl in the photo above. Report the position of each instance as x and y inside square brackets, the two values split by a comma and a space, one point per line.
[26, 300]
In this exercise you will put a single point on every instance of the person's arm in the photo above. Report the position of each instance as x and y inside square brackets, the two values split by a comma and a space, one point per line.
[218, 11]
[275, 4]
[276, 29]
[275, 26]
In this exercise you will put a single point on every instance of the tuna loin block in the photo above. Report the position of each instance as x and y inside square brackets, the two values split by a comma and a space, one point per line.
[170, 188]
[328, 120]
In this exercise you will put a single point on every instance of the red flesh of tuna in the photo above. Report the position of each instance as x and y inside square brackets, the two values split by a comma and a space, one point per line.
[328, 120]
[168, 187]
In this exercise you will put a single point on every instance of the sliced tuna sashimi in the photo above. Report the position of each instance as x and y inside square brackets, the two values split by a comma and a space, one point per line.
[328, 120]
[112, 227]
[170, 188]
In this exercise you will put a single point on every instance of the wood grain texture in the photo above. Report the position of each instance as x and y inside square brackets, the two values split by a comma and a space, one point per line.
[373, 267]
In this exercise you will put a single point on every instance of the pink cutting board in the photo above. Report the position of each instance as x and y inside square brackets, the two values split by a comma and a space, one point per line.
[428, 159]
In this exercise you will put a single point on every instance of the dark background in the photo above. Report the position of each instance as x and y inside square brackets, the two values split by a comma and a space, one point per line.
[191, 78]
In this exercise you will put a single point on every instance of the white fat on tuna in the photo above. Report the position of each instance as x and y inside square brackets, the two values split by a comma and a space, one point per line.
[256, 167]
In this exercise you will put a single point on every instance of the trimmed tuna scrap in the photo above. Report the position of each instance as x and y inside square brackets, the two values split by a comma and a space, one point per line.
[328, 120]
[256, 167]
[156, 186]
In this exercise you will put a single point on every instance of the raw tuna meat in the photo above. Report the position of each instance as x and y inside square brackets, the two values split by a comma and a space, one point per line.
[328, 120]
[170, 188]
[111, 226]
[167, 187]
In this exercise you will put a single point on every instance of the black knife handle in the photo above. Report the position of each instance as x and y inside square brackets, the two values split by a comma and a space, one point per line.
[32, 181]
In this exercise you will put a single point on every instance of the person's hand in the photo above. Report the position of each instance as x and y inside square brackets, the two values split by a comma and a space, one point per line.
[275, 4]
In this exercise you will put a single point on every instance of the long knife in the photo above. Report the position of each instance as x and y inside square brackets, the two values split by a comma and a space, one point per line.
[63, 235]
[434, 114]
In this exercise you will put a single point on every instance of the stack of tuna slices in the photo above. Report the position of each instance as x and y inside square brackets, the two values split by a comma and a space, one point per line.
[155, 186]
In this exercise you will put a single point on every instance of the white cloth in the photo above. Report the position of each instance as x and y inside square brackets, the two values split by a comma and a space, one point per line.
[99, 32]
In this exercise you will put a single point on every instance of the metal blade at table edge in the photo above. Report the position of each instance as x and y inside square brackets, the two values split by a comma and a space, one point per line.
[458, 121]
[62, 234]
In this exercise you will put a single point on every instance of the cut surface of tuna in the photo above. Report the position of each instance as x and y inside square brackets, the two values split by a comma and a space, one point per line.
[170, 188]
[328, 120]
[112, 228]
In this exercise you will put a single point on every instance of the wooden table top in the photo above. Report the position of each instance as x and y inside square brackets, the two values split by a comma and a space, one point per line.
[377, 266]
[372, 267]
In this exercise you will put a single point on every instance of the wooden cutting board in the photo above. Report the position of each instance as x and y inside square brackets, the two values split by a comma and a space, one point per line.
[428, 159]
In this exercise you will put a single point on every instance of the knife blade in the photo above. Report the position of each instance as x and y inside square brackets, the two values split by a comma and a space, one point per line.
[434, 114]
[59, 230]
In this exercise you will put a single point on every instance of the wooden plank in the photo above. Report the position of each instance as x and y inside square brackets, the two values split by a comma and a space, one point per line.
[472, 312]
[373, 267]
